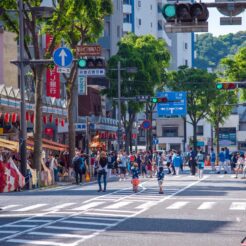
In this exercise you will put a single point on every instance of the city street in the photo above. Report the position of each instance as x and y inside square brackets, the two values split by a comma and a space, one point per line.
[211, 211]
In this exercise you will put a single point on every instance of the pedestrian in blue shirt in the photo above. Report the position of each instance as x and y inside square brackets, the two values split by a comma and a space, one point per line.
[135, 177]
[212, 159]
[160, 178]
[222, 162]
[177, 162]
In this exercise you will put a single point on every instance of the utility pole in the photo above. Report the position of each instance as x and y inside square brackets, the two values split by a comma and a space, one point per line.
[22, 137]
[119, 106]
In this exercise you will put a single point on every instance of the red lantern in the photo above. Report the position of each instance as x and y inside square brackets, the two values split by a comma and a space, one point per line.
[32, 118]
[50, 118]
[27, 116]
[62, 122]
[57, 121]
[45, 119]
[14, 117]
[6, 117]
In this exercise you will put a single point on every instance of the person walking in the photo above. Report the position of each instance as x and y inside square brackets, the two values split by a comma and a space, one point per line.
[79, 166]
[192, 161]
[160, 178]
[122, 163]
[102, 171]
[212, 159]
[240, 164]
[135, 176]
[200, 160]
[227, 158]
[177, 162]
[222, 162]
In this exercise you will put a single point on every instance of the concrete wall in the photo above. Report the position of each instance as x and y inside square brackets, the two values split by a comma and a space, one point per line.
[9, 71]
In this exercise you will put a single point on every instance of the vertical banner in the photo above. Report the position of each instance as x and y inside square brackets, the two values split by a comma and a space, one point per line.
[52, 76]
[82, 85]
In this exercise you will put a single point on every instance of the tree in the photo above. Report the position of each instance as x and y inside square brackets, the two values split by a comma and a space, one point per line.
[74, 22]
[151, 57]
[200, 88]
[32, 24]
[220, 109]
[80, 22]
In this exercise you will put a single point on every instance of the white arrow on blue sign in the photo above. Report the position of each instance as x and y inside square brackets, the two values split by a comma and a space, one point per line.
[63, 57]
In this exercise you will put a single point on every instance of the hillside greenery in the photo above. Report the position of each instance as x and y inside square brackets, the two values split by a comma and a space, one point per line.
[210, 50]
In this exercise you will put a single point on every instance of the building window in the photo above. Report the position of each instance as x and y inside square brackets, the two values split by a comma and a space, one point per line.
[170, 132]
[151, 24]
[186, 46]
[139, 4]
[199, 130]
[107, 29]
[186, 63]
[151, 6]
[139, 22]
[118, 32]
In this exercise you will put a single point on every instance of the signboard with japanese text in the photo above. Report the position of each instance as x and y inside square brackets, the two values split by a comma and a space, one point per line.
[52, 76]
[82, 85]
[88, 50]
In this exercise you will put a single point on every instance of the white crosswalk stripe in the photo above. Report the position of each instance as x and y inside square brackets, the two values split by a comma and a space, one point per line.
[30, 207]
[206, 205]
[59, 206]
[88, 206]
[177, 205]
[118, 205]
[238, 206]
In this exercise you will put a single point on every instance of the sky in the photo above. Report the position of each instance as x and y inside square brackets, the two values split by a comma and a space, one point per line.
[216, 29]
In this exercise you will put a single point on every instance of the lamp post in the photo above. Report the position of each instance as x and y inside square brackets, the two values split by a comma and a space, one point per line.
[23, 134]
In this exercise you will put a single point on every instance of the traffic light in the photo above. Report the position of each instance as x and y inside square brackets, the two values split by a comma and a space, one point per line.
[91, 63]
[226, 86]
[159, 100]
[185, 12]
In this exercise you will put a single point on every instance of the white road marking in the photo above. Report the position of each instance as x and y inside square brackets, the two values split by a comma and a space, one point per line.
[8, 232]
[221, 176]
[36, 242]
[10, 206]
[71, 228]
[115, 211]
[238, 206]
[88, 205]
[118, 205]
[103, 214]
[18, 215]
[206, 205]
[177, 205]
[59, 206]
[146, 205]
[95, 218]
[87, 223]
[21, 226]
[36, 233]
[37, 220]
[30, 207]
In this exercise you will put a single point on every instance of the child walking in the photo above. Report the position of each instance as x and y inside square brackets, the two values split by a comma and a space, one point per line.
[135, 177]
[160, 178]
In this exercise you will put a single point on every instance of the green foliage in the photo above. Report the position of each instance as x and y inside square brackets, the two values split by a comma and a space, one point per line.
[210, 50]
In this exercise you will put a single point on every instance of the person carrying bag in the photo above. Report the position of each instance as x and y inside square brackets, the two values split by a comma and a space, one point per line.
[102, 171]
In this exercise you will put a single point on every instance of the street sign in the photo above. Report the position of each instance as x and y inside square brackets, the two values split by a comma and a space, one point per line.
[63, 57]
[63, 69]
[92, 72]
[175, 106]
[82, 85]
[142, 98]
[146, 124]
[155, 141]
[88, 50]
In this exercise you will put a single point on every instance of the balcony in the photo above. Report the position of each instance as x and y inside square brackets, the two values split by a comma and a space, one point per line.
[127, 27]
[127, 8]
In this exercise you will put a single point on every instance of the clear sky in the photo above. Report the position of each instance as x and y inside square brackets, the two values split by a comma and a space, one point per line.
[216, 29]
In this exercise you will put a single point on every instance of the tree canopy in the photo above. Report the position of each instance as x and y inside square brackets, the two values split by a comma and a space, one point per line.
[210, 50]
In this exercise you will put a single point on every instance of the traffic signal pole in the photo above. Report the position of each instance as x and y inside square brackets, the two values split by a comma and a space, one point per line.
[119, 106]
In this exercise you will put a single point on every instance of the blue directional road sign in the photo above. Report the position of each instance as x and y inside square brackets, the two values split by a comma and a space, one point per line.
[155, 141]
[63, 57]
[175, 106]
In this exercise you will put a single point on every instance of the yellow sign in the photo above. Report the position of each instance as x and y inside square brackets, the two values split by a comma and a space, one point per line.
[1, 131]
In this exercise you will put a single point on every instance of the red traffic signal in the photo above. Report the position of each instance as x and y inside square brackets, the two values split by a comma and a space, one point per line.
[226, 86]
[162, 100]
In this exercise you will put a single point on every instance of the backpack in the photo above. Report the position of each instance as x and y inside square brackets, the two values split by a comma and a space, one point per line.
[79, 163]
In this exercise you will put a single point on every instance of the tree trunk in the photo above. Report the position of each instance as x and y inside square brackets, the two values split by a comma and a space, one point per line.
[194, 136]
[217, 141]
[38, 124]
[150, 131]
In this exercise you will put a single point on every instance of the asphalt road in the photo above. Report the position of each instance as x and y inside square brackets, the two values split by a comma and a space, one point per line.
[211, 211]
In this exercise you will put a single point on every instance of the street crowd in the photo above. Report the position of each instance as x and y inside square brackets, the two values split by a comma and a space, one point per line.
[148, 164]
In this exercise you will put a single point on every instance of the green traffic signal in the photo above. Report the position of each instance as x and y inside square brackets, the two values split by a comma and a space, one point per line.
[82, 63]
[169, 10]
[154, 100]
[219, 86]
